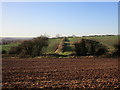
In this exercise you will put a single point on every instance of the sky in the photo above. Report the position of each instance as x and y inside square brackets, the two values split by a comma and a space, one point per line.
[30, 19]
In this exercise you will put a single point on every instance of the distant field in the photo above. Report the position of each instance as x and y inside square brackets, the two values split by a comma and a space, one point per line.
[50, 49]
[8, 46]
[108, 41]
[74, 39]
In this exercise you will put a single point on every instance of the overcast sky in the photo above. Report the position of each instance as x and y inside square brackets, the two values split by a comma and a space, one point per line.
[26, 19]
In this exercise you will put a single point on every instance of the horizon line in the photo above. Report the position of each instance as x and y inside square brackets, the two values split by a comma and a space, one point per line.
[55, 36]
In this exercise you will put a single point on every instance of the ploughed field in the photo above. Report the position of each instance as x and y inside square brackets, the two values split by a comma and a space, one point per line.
[60, 73]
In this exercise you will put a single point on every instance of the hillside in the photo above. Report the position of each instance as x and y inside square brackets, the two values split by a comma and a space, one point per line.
[53, 43]
[108, 41]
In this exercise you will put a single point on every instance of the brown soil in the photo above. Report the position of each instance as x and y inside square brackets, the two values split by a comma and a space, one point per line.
[60, 73]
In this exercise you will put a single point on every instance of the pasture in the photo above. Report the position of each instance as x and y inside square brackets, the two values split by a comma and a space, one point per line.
[8, 46]
[108, 41]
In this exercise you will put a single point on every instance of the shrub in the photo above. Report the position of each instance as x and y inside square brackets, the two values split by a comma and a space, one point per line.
[101, 51]
[117, 49]
[80, 48]
[89, 47]
[14, 50]
[4, 52]
[92, 49]
[39, 43]
[31, 47]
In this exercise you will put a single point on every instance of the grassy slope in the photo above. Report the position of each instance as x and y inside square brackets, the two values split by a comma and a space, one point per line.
[74, 39]
[8, 46]
[50, 49]
[53, 43]
[108, 41]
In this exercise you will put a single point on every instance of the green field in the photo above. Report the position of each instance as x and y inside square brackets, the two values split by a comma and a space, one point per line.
[52, 45]
[8, 46]
[108, 41]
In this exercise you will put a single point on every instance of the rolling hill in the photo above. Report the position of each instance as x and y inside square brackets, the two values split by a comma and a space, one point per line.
[106, 40]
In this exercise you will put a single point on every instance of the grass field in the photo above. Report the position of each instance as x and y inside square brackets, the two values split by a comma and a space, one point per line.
[108, 41]
[53, 43]
[50, 49]
[60, 73]
[74, 39]
[8, 46]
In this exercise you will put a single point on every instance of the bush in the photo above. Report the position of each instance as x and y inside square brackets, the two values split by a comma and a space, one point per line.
[117, 49]
[80, 48]
[4, 52]
[39, 43]
[92, 49]
[14, 50]
[101, 51]
[31, 47]
[89, 47]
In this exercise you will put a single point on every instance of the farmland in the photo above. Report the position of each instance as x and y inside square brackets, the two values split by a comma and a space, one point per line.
[61, 73]
[8, 46]
[108, 41]
[59, 45]
[65, 71]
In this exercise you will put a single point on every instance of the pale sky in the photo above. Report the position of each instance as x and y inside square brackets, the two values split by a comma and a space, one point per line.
[26, 19]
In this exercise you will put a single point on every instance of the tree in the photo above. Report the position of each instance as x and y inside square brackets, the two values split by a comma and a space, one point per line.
[117, 49]
[30, 48]
[4, 52]
[89, 47]
[15, 50]
[101, 51]
[80, 48]
[39, 43]
[26, 47]
[92, 49]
